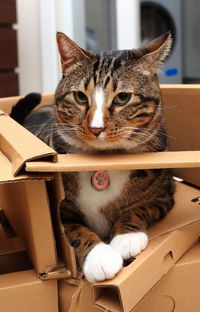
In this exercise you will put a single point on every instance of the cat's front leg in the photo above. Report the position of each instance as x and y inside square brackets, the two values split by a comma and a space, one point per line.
[129, 235]
[97, 260]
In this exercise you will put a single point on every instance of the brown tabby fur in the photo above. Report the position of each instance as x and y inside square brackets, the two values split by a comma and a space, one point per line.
[135, 127]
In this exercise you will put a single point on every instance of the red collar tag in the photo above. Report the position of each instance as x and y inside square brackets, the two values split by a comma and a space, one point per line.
[100, 180]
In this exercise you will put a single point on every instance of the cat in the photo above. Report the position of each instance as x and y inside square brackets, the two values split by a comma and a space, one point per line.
[107, 102]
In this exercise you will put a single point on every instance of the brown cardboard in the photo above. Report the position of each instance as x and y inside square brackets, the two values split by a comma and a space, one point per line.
[12, 144]
[163, 252]
[20, 288]
[179, 289]
[90, 162]
[169, 241]
[28, 212]
[12, 245]
[182, 111]
[7, 103]
[75, 296]
[6, 173]
[23, 291]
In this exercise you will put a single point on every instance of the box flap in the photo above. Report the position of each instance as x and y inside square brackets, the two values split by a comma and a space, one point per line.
[90, 162]
[23, 291]
[7, 103]
[6, 174]
[162, 253]
[28, 213]
[182, 111]
[184, 212]
[180, 287]
[19, 145]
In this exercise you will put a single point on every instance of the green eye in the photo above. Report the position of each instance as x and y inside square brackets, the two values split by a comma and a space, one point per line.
[80, 97]
[121, 98]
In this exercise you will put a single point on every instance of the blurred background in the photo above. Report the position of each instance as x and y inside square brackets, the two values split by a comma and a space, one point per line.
[28, 54]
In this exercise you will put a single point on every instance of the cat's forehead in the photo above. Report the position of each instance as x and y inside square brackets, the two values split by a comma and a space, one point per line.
[112, 60]
[106, 65]
[110, 70]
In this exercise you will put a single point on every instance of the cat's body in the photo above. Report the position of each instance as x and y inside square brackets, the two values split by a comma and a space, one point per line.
[108, 102]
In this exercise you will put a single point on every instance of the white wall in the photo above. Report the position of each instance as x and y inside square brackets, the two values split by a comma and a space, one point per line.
[128, 24]
[38, 21]
[29, 49]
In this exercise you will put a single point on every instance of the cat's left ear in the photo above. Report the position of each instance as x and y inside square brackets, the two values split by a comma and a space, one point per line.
[69, 51]
[157, 50]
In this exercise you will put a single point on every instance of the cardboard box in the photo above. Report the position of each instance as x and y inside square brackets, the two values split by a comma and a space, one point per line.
[20, 288]
[31, 165]
[179, 289]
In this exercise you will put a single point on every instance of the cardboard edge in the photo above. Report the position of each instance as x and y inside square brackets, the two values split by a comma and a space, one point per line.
[112, 298]
[12, 147]
[90, 162]
[21, 166]
[165, 249]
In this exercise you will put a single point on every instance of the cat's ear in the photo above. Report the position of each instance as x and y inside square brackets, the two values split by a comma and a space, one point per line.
[70, 52]
[157, 50]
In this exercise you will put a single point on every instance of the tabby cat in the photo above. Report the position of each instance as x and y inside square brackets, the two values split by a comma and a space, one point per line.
[107, 102]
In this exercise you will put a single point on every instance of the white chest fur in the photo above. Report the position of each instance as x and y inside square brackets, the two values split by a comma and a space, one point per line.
[91, 201]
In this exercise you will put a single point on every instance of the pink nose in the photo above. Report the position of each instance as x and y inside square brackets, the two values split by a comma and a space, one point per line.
[96, 131]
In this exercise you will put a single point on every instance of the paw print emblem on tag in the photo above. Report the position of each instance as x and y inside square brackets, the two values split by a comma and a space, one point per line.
[100, 180]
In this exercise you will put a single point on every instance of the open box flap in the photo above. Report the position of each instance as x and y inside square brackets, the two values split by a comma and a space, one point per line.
[182, 111]
[6, 174]
[169, 240]
[19, 145]
[126, 290]
[90, 162]
[28, 213]
[179, 289]
[7, 103]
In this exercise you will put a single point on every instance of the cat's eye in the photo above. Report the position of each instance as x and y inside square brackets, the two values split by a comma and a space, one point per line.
[80, 97]
[121, 98]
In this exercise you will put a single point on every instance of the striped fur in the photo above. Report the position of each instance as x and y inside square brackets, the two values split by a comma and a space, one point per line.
[99, 120]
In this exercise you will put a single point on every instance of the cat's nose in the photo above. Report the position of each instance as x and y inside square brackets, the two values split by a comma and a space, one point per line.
[96, 131]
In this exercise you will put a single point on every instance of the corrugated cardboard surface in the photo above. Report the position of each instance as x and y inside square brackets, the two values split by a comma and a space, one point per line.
[182, 111]
[179, 289]
[75, 296]
[163, 251]
[26, 206]
[19, 145]
[7, 103]
[6, 173]
[91, 162]
[20, 288]
[23, 291]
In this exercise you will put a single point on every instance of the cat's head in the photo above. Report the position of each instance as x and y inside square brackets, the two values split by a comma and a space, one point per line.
[111, 99]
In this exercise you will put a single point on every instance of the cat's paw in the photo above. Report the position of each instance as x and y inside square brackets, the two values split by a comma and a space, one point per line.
[130, 244]
[101, 263]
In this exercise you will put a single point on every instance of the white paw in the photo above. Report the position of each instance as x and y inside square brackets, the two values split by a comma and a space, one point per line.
[130, 244]
[102, 263]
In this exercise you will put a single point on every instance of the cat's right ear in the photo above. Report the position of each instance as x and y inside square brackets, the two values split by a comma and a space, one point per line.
[70, 52]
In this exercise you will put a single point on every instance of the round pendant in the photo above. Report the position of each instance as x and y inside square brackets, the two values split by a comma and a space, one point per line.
[100, 180]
